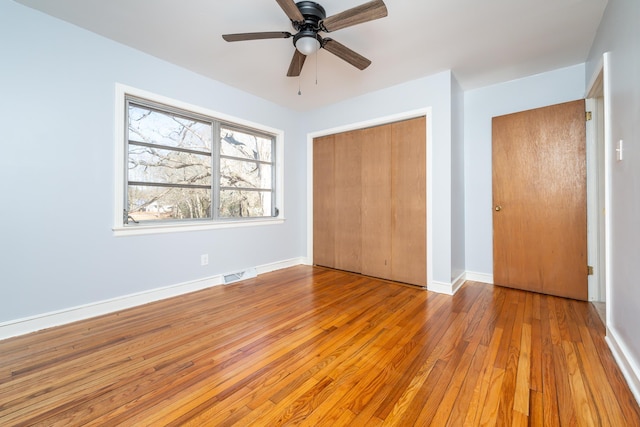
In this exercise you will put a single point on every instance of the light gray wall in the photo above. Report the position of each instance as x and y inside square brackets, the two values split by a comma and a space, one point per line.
[435, 92]
[57, 172]
[554, 87]
[458, 250]
[619, 34]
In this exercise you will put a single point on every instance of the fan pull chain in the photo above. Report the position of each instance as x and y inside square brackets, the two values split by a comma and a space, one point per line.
[299, 90]
[317, 66]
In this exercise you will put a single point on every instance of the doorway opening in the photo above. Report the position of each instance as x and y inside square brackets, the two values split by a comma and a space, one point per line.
[598, 178]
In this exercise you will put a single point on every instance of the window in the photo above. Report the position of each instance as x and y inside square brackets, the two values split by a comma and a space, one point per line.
[185, 167]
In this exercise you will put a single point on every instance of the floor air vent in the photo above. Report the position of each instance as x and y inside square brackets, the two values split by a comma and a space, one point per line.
[240, 275]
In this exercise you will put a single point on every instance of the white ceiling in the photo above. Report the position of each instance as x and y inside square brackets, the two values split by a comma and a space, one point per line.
[482, 41]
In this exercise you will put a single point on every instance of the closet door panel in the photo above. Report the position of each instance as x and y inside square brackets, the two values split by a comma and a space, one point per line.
[348, 201]
[376, 201]
[323, 201]
[409, 208]
[370, 201]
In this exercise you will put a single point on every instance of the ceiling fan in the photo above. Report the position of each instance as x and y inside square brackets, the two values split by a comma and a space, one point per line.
[308, 19]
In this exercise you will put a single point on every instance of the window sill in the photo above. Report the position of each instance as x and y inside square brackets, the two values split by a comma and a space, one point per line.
[136, 230]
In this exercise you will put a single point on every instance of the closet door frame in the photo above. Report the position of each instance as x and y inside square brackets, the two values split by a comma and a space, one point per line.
[426, 112]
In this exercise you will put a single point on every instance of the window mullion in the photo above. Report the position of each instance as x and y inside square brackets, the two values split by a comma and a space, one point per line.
[257, 189]
[169, 148]
[215, 170]
[244, 159]
[166, 184]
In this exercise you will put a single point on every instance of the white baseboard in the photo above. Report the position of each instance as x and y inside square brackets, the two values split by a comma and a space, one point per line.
[456, 284]
[447, 288]
[27, 325]
[279, 265]
[441, 287]
[479, 277]
[628, 366]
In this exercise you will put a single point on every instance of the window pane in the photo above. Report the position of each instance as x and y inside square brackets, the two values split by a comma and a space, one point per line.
[148, 164]
[155, 127]
[245, 145]
[244, 204]
[162, 203]
[237, 173]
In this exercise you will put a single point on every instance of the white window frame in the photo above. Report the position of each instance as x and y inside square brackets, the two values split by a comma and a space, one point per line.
[121, 229]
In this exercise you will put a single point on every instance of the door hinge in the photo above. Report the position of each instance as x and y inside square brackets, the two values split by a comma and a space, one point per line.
[589, 270]
[587, 115]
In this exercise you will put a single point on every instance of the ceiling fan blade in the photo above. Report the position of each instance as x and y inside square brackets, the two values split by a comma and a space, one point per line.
[346, 54]
[365, 12]
[296, 64]
[292, 11]
[256, 36]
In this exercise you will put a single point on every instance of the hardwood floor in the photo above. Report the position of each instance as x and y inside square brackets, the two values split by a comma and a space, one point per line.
[318, 347]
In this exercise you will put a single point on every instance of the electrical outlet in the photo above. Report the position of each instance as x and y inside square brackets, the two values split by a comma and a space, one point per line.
[204, 259]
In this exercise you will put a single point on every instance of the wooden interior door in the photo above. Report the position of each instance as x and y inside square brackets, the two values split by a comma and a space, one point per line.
[539, 199]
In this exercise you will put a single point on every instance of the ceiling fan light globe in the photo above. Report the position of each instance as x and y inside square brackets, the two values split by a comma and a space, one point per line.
[307, 45]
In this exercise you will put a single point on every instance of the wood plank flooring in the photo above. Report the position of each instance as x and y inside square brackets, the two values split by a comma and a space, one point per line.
[317, 347]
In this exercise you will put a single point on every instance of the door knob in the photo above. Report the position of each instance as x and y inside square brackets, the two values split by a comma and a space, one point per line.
[498, 208]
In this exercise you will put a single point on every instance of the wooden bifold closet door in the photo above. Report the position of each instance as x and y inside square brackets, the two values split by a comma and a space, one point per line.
[370, 201]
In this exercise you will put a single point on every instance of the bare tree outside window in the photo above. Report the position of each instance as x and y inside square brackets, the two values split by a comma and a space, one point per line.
[245, 174]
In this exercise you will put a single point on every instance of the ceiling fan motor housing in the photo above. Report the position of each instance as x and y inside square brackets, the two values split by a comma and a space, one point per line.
[313, 13]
